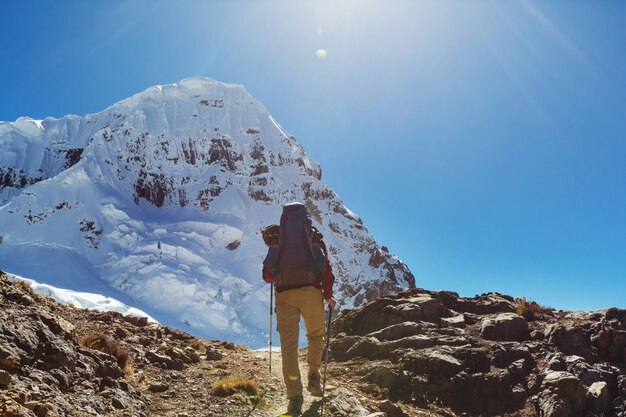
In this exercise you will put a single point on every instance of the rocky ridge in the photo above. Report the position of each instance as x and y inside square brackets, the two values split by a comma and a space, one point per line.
[49, 369]
[479, 357]
[413, 353]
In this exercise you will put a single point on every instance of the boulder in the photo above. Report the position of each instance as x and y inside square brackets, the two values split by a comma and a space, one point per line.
[505, 327]
[395, 381]
[170, 363]
[562, 394]
[343, 402]
[434, 361]
[571, 340]
[598, 397]
[401, 330]
[391, 409]
[387, 311]
[213, 354]
[490, 303]
[366, 347]
[5, 378]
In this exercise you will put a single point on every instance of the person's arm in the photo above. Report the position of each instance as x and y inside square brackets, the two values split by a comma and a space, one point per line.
[267, 275]
[328, 279]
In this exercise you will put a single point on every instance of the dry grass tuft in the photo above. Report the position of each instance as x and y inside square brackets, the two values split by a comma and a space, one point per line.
[198, 346]
[104, 344]
[226, 387]
[438, 407]
[528, 309]
[26, 287]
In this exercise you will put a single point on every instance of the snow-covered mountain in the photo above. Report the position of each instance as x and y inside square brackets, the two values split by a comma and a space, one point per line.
[159, 201]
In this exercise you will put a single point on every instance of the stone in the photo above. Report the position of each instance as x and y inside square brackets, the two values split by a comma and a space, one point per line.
[562, 394]
[118, 403]
[391, 409]
[454, 321]
[366, 347]
[401, 330]
[343, 402]
[393, 380]
[598, 397]
[166, 361]
[571, 340]
[436, 361]
[505, 327]
[158, 387]
[5, 378]
[213, 354]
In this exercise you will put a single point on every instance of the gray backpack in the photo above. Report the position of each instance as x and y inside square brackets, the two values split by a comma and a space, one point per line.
[297, 260]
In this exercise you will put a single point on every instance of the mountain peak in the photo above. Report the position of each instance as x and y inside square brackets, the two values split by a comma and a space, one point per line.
[161, 197]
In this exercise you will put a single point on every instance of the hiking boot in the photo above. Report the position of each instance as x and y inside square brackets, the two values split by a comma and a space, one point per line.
[314, 386]
[294, 408]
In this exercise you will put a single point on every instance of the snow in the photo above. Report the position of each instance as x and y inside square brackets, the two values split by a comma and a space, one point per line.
[84, 300]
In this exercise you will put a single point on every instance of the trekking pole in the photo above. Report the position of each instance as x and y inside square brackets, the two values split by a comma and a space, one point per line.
[330, 314]
[271, 316]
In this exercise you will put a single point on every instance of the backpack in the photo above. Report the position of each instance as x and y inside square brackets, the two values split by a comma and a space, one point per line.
[295, 257]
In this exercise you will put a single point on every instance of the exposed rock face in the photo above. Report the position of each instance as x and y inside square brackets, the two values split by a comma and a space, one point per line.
[414, 347]
[46, 372]
[39, 348]
[505, 327]
[422, 366]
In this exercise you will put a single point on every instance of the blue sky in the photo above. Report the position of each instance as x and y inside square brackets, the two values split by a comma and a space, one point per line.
[483, 142]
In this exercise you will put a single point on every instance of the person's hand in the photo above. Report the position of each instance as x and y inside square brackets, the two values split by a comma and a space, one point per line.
[331, 302]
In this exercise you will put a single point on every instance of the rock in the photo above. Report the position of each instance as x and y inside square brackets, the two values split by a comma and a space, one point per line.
[391, 409]
[490, 303]
[158, 387]
[344, 403]
[340, 344]
[454, 321]
[505, 354]
[168, 362]
[213, 354]
[5, 378]
[570, 340]
[377, 414]
[118, 403]
[67, 327]
[186, 356]
[393, 380]
[598, 397]
[437, 361]
[562, 395]
[366, 347]
[505, 327]
[401, 330]
[557, 363]
[137, 321]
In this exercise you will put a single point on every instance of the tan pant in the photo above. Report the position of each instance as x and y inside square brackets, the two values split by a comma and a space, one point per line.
[290, 304]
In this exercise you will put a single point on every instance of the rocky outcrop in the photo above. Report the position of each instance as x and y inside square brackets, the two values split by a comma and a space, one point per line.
[478, 357]
[44, 371]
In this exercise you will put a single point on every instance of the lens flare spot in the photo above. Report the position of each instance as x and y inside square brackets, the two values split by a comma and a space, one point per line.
[321, 53]
[293, 378]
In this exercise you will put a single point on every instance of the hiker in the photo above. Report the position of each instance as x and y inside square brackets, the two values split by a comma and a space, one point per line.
[297, 263]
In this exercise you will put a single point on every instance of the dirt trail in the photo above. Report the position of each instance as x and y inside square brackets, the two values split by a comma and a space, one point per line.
[273, 401]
